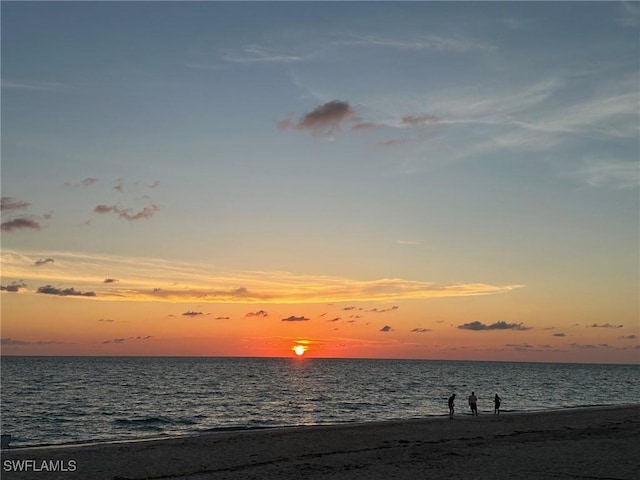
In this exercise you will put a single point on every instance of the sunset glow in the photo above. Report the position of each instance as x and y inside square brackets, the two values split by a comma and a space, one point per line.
[429, 180]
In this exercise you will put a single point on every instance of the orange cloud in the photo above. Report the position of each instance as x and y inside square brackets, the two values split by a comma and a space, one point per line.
[144, 279]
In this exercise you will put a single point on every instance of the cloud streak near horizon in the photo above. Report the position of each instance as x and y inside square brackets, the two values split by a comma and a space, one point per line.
[140, 278]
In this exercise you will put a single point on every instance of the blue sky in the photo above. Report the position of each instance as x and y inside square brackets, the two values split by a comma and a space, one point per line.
[449, 143]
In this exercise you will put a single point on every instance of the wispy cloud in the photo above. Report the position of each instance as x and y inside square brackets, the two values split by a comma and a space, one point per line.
[44, 86]
[629, 15]
[394, 142]
[11, 341]
[10, 203]
[603, 172]
[43, 261]
[590, 346]
[155, 279]
[408, 242]
[514, 23]
[606, 115]
[610, 112]
[535, 116]
[120, 184]
[205, 66]
[628, 337]
[383, 310]
[128, 213]
[89, 181]
[83, 183]
[519, 346]
[420, 120]
[257, 54]
[366, 126]
[204, 294]
[419, 42]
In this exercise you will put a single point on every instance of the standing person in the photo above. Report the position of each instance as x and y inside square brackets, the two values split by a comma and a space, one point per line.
[496, 403]
[451, 405]
[473, 403]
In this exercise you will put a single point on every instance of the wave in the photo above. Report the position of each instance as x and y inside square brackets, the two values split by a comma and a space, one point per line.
[152, 423]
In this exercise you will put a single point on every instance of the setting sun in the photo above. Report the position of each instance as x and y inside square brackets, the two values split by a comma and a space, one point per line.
[299, 350]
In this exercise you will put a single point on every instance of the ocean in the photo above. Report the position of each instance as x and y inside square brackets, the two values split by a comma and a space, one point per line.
[59, 400]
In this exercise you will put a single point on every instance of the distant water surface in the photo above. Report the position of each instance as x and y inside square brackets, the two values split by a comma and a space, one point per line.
[53, 400]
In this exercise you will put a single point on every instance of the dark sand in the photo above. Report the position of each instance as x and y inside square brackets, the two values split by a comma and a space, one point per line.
[593, 443]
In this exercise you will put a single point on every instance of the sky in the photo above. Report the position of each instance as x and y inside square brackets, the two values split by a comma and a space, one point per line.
[428, 180]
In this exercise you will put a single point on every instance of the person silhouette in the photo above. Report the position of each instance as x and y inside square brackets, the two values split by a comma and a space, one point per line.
[473, 404]
[451, 405]
[496, 403]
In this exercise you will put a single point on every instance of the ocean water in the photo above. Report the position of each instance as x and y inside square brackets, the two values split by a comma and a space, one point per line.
[57, 400]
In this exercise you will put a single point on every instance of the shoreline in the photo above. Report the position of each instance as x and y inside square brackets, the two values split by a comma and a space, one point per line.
[222, 430]
[566, 443]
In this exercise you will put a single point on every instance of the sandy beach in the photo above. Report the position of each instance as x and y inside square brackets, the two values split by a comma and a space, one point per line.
[589, 443]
